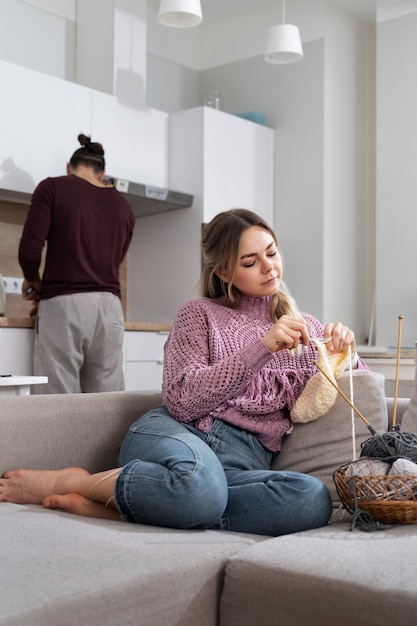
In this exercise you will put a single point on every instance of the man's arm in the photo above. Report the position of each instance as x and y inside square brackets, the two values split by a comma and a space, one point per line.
[35, 233]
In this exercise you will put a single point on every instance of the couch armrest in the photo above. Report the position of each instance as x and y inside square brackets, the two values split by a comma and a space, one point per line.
[56, 431]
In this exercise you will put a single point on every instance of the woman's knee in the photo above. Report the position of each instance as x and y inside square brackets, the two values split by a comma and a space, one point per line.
[316, 499]
[170, 475]
[321, 501]
[181, 496]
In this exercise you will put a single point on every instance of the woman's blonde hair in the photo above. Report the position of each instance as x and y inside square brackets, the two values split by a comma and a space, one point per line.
[220, 252]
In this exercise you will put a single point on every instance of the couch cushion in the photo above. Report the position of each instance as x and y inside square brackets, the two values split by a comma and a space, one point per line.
[63, 569]
[325, 577]
[321, 446]
[55, 431]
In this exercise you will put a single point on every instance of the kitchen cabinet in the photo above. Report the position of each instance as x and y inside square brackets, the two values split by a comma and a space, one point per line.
[41, 119]
[223, 160]
[49, 113]
[135, 139]
[385, 362]
[144, 357]
[16, 351]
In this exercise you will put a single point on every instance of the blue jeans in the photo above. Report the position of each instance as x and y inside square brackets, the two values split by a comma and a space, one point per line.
[174, 475]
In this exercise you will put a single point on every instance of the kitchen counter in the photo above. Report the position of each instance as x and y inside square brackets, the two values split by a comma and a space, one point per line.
[16, 322]
[29, 322]
[384, 361]
[147, 326]
[367, 352]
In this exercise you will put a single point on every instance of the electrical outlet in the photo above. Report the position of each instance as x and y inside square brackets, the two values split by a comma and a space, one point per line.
[12, 285]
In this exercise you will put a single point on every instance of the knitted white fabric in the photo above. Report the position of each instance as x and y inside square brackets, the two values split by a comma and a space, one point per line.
[319, 395]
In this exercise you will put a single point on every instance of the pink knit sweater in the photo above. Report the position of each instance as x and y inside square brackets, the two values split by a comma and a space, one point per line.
[217, 367]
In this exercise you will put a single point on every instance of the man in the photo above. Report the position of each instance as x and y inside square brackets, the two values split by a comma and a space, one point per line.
[87, 227]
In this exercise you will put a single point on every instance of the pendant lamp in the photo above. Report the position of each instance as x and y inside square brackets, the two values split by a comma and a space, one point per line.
[284, 43]
[180, 13]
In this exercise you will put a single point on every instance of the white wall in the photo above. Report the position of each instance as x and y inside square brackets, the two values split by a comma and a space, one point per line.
[319, 109]
[292, 99]
[169, 86]
[396, 169]
[347, 236]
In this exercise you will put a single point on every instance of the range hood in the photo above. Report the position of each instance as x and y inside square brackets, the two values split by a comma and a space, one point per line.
[147, 199]
[144, 199]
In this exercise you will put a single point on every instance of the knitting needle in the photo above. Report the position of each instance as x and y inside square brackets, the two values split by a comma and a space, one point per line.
[313, 340]
[397, 373]
[352, 406]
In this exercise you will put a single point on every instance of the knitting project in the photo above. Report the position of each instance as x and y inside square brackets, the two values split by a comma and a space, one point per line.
[319, 395]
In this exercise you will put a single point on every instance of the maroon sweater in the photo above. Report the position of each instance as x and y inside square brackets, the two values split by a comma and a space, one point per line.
[88, 230]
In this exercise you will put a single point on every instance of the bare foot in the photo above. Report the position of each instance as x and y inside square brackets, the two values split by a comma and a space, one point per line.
[79, 505]
[32, 486]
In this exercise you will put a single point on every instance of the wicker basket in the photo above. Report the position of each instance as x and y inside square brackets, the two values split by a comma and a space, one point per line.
[389, 499]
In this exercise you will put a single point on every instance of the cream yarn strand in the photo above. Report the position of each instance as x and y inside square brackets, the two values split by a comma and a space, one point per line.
[352, 412]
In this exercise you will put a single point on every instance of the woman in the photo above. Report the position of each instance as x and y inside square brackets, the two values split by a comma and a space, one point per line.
[231, 377]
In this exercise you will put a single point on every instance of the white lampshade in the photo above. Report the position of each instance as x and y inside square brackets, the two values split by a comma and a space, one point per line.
[284, 44]
[180, 13]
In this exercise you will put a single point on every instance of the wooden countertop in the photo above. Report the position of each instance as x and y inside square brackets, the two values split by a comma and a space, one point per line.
[147, 326]
[29, 322]
[17, 322]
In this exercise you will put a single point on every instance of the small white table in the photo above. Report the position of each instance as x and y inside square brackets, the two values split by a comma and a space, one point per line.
[19, 385]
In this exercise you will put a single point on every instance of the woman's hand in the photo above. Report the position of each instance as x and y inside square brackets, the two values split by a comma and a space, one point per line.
[341, 338]
[287, 333]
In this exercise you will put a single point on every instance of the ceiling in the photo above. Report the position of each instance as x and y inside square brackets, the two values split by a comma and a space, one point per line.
[220, 10]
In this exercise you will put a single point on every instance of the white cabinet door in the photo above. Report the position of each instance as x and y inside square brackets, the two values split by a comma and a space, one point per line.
[46, 114]
[49, 113]
[224, 160]
[238, 165]
[143, 376]
[135, 139]
[144, 356]
[16, 351]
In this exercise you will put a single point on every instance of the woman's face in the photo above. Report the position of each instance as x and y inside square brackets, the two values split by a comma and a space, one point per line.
[259, 270]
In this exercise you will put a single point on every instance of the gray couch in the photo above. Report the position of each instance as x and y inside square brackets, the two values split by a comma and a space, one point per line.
[62, 570]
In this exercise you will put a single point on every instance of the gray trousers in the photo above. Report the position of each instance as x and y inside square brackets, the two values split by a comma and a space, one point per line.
[79, 343]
